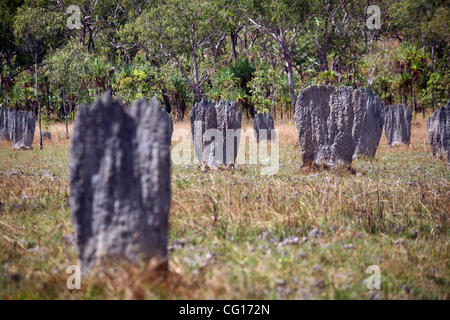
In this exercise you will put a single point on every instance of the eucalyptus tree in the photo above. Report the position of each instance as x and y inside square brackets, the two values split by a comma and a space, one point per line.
[86, 24]
[331, 21]
[283, 21]
[232, 26]
[184, 33]
[8, 48]
[423, 22]
[66, 69]
[37, 30]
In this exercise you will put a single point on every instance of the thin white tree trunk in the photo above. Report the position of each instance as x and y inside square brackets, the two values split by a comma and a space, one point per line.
[291, 84]
[37, 100]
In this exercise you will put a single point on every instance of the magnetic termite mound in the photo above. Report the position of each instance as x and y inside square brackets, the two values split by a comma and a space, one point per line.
[18, 127]
[438, 131]
[216, 130]
[263, 127]
[335, 124]
[397, 124]
[120, 181]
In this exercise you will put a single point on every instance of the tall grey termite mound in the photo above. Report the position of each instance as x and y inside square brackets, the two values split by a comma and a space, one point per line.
[18, 127]
[229, 118]
[397, 124]
[333, 123]
[203, 120]
[369, 123]
[263, 126]
[216, 132]
[438, 131]
[3, 124]
[23, 134]
[120, 181]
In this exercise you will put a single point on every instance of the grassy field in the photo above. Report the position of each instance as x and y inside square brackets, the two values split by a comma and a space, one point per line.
[235, 234]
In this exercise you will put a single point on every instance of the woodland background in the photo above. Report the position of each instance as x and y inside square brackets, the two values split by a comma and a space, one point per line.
[259, 53]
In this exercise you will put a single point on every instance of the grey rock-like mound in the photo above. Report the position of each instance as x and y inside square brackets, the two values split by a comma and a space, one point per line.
[445, 132]
[23, 135]
[216, 132]
[229, 118]
[263, 127]
[438, 131]
[433, 133]
[120, 181]
[18, 127]
[11, 123]
[4, 135]
[397, 124]
[369, 123]
[203, 121]
[47, 135]
[331, 122]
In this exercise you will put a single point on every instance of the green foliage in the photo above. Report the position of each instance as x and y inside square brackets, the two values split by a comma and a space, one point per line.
[230, 83]
[268, 88]
[8, 10]
[123, 83]
[38, 29]
[226, 86]
[436, 91]
[176, 84]
[426, 21]
[99, 70]
[243, 71]
[80, 75]
[238, 50]
[328, 77]
[22, 93]
[398, 73]
[278, 12]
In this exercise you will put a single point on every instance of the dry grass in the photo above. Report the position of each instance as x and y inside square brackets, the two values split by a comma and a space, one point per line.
[229, 229]
[58, 131]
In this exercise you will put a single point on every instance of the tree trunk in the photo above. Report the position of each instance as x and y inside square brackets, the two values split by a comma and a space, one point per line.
[91, 44]
[323, 49]
[233, 44]
[37, 100]
[181, 107]
[65, 113]
[1, 75]
[432, 59]
[47, 94]
[245, 41]
[178, 106]
[433, 99]
[166, 99]
[291, 83]
[197, 93]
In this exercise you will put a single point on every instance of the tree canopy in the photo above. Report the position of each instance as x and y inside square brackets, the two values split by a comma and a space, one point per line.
[259, 53]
